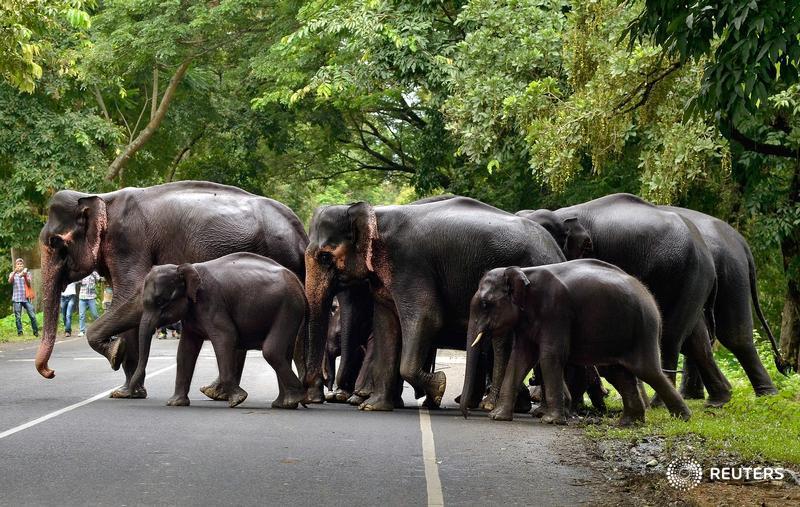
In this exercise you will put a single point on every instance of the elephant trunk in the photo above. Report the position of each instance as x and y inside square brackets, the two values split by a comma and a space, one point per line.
[474, 345]
[51, 299]
[320, 297]
[147, 327]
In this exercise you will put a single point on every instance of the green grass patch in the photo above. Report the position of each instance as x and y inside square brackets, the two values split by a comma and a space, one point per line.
[765, 429]
[8, 328]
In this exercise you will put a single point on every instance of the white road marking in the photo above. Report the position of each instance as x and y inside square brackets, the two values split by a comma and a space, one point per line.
[21, 360]
[435, 497]
[64, 410]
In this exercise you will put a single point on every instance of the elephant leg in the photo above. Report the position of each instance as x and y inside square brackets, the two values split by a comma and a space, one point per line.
[364, 385]
[189, 347]
[214, 390]
[129, 364]
[275, 347]
[117, 321]
[224, 339]
[698, 346]
[502, 352]
[385, 364]
[649, 372]
[597, 393]
[740, 343]
[692, 382]
[418, 332]
[626, 384]
[522, 359]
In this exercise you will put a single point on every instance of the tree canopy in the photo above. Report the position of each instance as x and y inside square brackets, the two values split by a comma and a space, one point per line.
[520, 103]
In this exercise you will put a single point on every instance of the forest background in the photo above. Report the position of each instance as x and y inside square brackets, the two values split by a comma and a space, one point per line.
[521, 104]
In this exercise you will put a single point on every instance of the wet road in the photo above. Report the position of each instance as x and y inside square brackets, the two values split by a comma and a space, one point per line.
[64, 442]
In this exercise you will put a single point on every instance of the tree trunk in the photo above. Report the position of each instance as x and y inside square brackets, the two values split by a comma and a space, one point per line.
[134, 146]
[790, 326]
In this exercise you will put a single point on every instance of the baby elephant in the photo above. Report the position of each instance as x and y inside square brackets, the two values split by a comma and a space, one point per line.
[240, 301]
[582, 312]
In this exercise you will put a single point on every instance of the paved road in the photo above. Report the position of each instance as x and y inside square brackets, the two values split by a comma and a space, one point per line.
[101, 451]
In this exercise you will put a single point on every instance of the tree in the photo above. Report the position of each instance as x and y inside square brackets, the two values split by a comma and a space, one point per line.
[751, 56]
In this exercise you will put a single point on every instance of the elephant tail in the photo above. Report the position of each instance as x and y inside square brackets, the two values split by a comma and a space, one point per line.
[708, 312]
[751, 268]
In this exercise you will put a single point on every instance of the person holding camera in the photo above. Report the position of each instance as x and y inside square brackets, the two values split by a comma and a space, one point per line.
[21, 296]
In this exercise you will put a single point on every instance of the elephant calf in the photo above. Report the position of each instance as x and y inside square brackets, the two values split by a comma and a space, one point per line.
[240, 301]
[582, 312]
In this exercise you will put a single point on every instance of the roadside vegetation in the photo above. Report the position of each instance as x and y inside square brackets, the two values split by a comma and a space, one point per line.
[762, 429]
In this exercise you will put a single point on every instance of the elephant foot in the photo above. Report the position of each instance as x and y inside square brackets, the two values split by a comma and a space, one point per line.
[214, 392]
[693, 394]
[237, 396]
[765, 391]
[290, 400]
[535, 392]
[376, 403]
[489, 402]
[500, 414]
[523, 403]
[178, 401]
[338, 396]
[436, 388]
[356, 400]
[116, 353]
[718, 401]
[551, 418]
[430, 404]
[125, 392]
[539, 411]
[626, 421]
[683, 414]
[315, 394]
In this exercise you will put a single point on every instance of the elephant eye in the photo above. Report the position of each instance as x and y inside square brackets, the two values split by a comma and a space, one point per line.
[325, 258]
[485, 304]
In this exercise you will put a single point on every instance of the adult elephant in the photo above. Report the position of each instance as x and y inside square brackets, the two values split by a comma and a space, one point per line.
[664, 251]
[736, 288]
[122, 234]
[423, 263]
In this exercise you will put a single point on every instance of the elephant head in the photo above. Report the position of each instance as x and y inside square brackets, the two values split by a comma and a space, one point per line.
[166, 297]
[339, 254]
[573, 239]
[70, 244]
[495, 311]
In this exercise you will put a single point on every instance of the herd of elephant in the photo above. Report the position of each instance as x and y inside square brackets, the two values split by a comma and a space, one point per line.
[615, 285]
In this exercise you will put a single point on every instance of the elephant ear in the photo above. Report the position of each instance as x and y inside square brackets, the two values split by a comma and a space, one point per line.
[364, 229]
[92, 218]
[578, 243]
[517, 285]
[191, 279]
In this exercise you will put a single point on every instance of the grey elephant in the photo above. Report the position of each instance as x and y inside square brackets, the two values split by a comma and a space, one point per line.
[583, 312]
[123, 234]
[737, 288]
[239, 302]
[667, 253]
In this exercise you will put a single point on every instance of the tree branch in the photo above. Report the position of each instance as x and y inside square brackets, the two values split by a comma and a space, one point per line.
[646, 88]
[183, 154]
[153, 104]
[134, 146]
[763, 148]
[101, 103]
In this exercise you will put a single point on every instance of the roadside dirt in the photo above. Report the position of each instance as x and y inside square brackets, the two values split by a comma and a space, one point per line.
[635, 474]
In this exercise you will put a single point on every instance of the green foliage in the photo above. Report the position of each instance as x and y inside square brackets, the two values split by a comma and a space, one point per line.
[30, 31]
[8, 327]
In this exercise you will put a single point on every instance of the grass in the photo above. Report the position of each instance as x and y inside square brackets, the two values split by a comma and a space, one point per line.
[8, 328]
[763, 429]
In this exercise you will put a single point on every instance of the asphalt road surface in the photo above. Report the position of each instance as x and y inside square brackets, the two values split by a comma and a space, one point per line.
[64, 442]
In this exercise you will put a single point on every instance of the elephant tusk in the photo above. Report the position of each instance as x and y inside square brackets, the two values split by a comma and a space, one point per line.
[477, 339]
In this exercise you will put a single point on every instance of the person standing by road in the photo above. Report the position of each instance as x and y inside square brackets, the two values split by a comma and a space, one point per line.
[68, 298]
[20, 278]
[87, 299]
